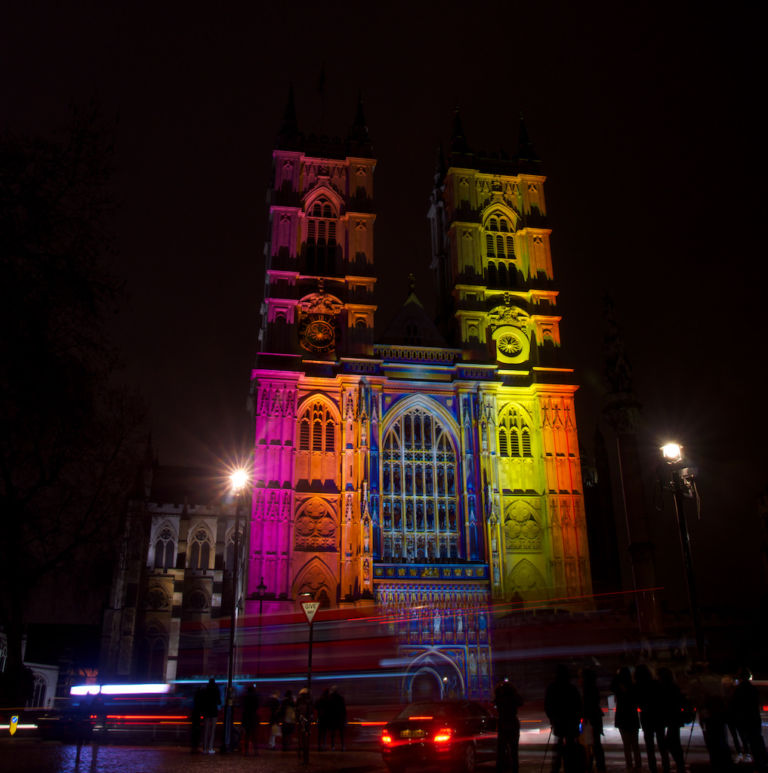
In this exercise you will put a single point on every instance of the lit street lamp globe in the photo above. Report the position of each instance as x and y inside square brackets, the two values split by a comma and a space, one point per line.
[672, 452]
[238, 480]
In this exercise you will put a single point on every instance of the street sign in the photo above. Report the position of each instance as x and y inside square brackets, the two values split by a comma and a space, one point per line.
[310, 607]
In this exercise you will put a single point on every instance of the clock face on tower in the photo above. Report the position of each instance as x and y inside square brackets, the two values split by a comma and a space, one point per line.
[510, 345]
[319, 336]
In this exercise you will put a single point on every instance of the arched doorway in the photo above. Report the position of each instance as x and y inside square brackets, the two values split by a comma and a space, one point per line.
[426, 686]
[433, 676]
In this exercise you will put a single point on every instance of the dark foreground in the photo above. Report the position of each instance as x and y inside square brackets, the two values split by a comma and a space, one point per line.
[33, 756]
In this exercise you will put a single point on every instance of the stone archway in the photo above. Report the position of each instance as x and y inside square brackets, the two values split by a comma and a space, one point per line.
[426, 685]
[433, 676]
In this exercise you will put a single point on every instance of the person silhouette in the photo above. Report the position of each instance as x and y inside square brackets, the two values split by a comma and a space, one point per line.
[562, 704]
[507, 701]
[671, 709]
[625, 718]
[593, 718]
[210, 700]
[250, 720]
[649, 702]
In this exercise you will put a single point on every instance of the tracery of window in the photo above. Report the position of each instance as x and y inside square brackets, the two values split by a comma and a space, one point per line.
[38, 690]
[514, 435]
[165, 549]
[499, 242]
[321, 237]
[317, 429]
[199, 550]
[419, 503]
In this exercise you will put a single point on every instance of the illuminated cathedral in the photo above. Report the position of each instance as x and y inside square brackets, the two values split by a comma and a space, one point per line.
[427, 468]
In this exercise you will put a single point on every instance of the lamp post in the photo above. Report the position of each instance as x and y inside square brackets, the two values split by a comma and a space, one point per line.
[238, 484]
[260, 588]
[310, 607]
[676, 476]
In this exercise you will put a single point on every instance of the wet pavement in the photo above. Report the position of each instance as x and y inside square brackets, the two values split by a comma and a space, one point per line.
[31, 756]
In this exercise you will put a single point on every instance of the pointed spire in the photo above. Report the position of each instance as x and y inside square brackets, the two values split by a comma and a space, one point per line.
[618, 371]
[144, 485]
[358, 139]
[439, 164]
[526, 153]
[358, 132]
[458, 140]
[321, 92]
[288, 137]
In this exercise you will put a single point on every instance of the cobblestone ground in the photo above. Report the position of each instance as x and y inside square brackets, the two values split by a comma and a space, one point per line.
[29, 756]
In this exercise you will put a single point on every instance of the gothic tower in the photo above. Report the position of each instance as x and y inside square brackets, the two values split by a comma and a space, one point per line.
[493, 268]
[317, 321]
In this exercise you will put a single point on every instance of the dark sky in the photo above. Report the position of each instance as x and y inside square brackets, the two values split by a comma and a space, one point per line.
[645, 117]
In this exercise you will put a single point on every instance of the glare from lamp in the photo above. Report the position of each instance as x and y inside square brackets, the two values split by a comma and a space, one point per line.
[238, 480]
[672, 452]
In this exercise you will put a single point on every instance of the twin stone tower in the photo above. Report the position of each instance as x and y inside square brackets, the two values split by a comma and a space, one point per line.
[430, 469]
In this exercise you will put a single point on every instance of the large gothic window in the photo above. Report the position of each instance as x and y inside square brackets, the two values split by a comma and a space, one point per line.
[499, 251]
[498, 238]
[321, 237]
[199, 550]
[317, 429]
[420, 519]
[514, 435]
[165, 549]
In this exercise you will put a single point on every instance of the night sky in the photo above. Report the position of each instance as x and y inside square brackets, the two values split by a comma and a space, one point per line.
[645, 118]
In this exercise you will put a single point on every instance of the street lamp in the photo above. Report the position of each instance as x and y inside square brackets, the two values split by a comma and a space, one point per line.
[238, 481]
[676, 476]
[260, 588]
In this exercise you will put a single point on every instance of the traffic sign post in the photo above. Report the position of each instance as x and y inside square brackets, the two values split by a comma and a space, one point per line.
[310, 607]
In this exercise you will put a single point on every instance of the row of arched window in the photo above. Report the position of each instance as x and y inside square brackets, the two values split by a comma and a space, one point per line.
[320, 249]
[198, 550]
[418, 454]
[420, 498]
[317, 429]
[499, 246]
[498, 223]
[514, 435]
[499, 273]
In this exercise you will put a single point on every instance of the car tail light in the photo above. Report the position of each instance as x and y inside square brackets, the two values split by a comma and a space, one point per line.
[443, 736]
[386, 738]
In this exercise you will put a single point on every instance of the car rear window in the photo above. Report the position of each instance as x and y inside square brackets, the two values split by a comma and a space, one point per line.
[424, 710]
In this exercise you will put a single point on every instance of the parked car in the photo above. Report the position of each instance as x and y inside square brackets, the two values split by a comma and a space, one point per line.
[455, 734]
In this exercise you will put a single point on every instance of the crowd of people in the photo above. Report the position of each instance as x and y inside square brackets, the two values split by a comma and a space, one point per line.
[285, 717]
[653, 703]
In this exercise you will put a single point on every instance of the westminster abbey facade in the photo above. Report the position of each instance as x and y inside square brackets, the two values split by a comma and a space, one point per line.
[427, 468]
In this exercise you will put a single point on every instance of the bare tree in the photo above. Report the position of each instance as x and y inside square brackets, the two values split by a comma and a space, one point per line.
[69, 434]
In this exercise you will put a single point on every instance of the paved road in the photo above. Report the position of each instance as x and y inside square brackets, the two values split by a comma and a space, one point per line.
[30, 756]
